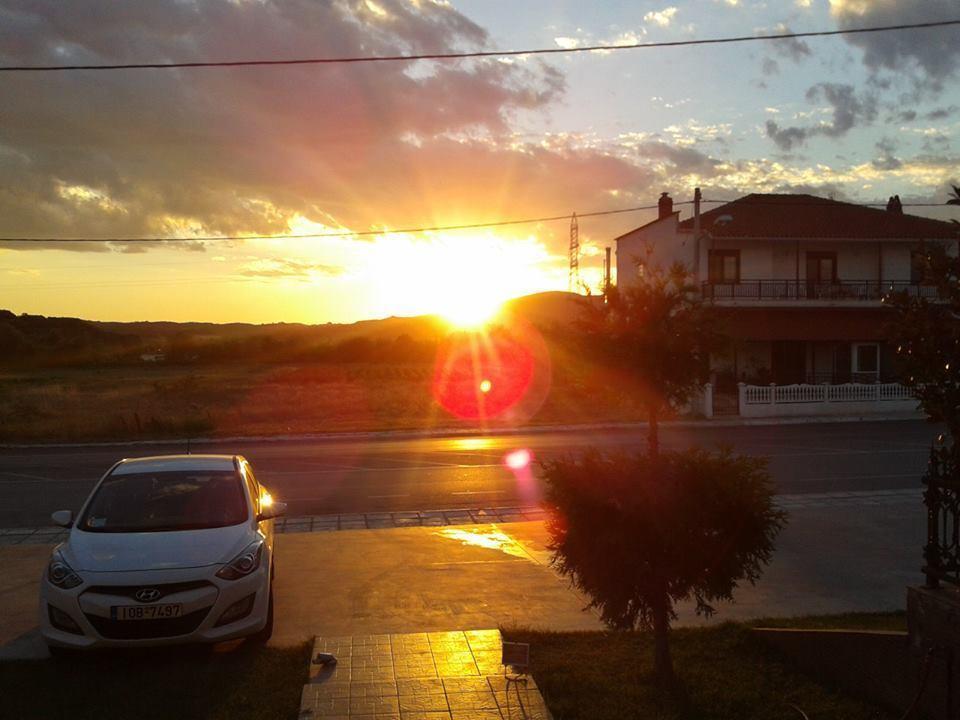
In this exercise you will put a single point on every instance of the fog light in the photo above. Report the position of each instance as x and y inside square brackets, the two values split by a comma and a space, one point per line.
[62, 621]
[239, 610]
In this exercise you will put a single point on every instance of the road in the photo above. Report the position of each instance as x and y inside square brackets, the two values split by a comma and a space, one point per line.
[349, 475]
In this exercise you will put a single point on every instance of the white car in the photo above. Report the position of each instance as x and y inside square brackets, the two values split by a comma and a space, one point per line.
[166, 550]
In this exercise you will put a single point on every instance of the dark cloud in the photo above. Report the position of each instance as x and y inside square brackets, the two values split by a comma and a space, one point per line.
[234, 151]
[793, 48]
[927, 57]
[849, 110]
[886, 160]
[942, 113]
[684, 160]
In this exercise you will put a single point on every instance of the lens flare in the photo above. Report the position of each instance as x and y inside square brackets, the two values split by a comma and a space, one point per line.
[518, 459]
[498, 374]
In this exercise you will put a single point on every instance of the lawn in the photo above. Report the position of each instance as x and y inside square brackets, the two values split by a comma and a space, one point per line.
[725, 672]
[249, 682]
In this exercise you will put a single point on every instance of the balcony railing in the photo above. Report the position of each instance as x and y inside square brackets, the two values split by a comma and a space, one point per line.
[840, 290]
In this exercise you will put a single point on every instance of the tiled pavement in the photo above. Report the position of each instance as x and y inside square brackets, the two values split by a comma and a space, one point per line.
[474, 516]
[417, 676]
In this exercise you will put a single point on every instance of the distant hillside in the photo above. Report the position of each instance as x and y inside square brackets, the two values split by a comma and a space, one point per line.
[39, 340]
[31, 337]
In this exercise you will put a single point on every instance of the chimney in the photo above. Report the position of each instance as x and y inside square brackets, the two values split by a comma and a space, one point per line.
[665, 206]
[894, 205]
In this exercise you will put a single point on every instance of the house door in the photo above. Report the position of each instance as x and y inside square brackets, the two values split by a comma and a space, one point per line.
[821, 274]
[789, 359]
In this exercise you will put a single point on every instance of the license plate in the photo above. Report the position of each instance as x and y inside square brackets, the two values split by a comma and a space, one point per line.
[145, 612]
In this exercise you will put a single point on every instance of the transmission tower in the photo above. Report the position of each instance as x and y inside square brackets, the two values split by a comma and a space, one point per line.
[573, 279]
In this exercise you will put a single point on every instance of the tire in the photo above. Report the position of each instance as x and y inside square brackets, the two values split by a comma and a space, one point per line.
[60, 654]
[264, 635]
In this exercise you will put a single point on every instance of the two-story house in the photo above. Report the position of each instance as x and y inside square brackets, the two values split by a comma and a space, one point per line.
[799, 280]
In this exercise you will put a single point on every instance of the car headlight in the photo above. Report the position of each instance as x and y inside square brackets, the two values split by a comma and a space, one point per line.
[244, 563]
[60, 574]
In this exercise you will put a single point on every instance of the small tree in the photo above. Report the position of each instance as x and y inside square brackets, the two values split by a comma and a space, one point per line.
[639, 533]
[926, 332]
[659, 330]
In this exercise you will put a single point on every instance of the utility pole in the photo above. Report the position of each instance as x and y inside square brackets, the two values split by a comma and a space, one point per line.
[573, 279]
[606, 271]
[696, 234]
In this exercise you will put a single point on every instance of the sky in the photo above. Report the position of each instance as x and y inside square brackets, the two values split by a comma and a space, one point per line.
[384, 147]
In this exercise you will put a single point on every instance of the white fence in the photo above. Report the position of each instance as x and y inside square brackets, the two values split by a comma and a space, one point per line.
[826, 399]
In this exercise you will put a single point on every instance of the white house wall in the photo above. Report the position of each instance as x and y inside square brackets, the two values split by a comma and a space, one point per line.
[658, 245]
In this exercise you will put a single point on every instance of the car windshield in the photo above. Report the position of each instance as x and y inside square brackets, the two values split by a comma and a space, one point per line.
[166, 501]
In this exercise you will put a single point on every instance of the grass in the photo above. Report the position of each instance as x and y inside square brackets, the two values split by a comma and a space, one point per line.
[725, 672]
[169, 401]
[248, 682]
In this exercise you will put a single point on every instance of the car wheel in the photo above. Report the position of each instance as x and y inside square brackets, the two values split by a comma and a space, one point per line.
[267, 632]
[60, 653]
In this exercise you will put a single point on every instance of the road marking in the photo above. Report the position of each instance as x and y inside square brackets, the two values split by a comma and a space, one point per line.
[34, 478]
[379, 497]
[857, 477]
[480, 492]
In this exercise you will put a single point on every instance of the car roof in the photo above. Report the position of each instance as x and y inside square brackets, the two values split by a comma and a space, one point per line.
[170, 463]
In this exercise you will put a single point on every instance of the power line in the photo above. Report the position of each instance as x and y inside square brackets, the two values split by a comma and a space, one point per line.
[361, 233]
[476, 54]
[441, 228]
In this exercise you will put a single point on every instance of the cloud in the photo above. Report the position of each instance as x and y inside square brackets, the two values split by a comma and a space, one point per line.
[886, 160]
[663, 18]
[285, 268]
[847, 108]
[927, 57]
[683, 160]
[242, 151]
[793, 48]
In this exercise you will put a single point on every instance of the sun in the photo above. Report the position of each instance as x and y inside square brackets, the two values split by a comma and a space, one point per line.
[471, 311]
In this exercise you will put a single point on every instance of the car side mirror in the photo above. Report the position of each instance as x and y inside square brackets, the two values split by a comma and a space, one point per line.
[63, 518]
[274, 510]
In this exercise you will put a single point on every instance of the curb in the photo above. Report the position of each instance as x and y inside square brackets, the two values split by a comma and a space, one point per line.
[479, 515]
[470, 432]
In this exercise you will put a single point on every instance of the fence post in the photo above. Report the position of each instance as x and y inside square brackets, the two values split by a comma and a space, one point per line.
[708, 400]
[773, 393]
[741, 396]
[826, 392]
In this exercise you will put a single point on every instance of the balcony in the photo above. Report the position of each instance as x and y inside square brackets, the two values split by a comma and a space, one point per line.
[763, 291]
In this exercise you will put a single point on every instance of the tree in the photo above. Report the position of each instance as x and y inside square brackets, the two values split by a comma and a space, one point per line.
[639, 533]
[660, 330]
[955, 197]
[926, 332]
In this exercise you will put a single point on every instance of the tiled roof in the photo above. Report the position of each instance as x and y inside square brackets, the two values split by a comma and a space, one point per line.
[807, 216]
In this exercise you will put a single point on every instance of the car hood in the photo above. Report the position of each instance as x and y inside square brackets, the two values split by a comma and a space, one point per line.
[124, 552]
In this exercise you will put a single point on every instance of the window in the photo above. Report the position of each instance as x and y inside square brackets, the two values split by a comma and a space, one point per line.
[866, 360]
[724, 266]
[166, 501]
[821, 267]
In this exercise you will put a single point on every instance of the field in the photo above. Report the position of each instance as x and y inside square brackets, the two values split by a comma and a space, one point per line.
[166, 401]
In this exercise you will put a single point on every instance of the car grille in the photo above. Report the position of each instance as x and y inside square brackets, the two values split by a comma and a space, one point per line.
[131, 590]
[146, 629]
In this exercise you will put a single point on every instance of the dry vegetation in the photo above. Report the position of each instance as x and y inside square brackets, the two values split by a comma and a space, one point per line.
[162, 401]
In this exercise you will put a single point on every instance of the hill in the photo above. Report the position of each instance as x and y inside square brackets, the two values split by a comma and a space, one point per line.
[36, 340]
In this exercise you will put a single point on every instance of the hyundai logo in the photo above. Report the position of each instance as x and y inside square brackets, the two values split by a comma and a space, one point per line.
[147, 595]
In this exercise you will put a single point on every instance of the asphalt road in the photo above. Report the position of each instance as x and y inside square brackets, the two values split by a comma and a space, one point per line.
[330, 475]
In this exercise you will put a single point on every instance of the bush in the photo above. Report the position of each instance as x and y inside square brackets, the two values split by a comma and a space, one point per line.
[639, 533]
